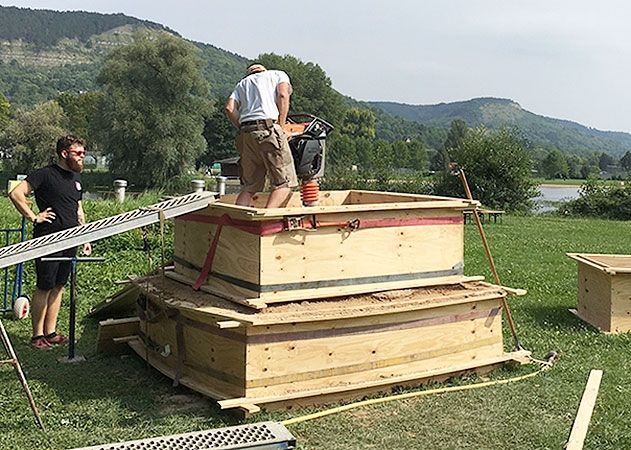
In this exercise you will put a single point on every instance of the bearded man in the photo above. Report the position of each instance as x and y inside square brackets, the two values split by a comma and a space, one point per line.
[58, 195]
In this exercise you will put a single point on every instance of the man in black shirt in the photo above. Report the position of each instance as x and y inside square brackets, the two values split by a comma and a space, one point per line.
[58, 196]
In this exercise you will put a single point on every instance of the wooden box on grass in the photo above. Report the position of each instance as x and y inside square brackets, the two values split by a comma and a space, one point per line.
[353, 242]
[315, 351]
[604, 291]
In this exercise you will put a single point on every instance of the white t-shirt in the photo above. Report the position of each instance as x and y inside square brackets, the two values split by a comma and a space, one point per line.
[256, 95]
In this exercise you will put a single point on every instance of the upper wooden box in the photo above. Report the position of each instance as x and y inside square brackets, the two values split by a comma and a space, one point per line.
[352, 242]
[604, 291]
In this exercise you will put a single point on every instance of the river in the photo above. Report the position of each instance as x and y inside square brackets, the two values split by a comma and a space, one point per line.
[552, 195]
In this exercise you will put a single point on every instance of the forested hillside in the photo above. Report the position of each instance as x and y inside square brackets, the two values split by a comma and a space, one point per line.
[494, 113]
[44, 53]
[46, 28]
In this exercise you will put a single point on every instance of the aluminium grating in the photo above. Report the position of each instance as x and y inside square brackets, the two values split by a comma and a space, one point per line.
[99, 229]
[256, 436]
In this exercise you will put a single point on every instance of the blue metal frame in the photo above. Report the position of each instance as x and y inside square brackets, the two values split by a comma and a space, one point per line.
[18, 277]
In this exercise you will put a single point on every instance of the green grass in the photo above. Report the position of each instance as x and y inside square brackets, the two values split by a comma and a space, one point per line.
[112, 399]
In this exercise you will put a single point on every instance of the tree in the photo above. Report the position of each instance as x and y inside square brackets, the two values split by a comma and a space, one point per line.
[359, 123]
[220, 135]
[605, 160]
[29, 140]
[554, 165]
[152, 116]
[80, 109]
[5, 112]
[312, 91]
[625, 161]
[455, 137]
[498, 169]
[417, 156]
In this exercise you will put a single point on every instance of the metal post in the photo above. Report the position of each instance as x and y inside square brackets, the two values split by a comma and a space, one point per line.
[72, 357]
[119, 190]
[73, 308]
[198, 185]
[221, 184]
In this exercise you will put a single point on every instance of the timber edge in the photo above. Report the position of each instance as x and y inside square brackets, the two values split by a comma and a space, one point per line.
[245, 406]
[587, 322]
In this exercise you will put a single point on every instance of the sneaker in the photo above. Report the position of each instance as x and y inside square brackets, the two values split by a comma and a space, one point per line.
[40, 343]
[56, 339]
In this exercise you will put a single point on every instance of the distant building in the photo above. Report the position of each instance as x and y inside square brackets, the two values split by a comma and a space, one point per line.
[229, 167]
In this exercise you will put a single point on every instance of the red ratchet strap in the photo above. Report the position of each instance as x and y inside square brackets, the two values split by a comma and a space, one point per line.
[266, 228]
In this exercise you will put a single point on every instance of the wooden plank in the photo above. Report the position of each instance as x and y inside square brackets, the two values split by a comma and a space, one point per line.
[424, 203]
[120, 304]
[621, 303]
[329, 254]
[383, 383]
[177, 293]
[202, 384]
[111, 329]
[229, 324]
[384, 351]
[594, 296]
[585, 409]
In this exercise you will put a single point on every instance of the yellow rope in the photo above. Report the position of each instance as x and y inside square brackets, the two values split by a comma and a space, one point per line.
[375, 401]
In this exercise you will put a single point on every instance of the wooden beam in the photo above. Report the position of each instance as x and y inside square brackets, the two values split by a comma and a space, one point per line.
[584, 415]
[110, 331]
[384, 383]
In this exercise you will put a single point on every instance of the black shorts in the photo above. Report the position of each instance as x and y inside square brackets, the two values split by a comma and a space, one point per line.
[51, 274]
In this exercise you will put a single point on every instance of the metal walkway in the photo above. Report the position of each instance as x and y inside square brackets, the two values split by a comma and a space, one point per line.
[93, 231]
[256, 436]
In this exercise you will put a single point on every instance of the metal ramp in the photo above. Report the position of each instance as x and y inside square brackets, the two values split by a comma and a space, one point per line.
[99, 229]
[256, 436]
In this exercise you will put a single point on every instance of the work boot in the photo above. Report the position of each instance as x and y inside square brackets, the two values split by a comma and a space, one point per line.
[56, 339]
[40, 343]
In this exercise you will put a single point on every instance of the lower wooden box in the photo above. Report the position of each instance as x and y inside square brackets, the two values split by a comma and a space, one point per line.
[604, 291]
[334, 347]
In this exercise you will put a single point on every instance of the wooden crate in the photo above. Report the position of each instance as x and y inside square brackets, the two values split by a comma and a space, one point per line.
[604, 291]
[302, 352]
[353, 242]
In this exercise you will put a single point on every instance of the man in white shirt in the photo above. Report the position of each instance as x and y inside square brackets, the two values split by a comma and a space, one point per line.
[258, 107]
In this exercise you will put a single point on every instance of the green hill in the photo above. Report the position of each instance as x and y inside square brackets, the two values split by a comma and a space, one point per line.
[44, 53]
[541, 131]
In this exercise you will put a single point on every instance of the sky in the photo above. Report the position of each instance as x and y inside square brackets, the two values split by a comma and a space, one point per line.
[568, 59]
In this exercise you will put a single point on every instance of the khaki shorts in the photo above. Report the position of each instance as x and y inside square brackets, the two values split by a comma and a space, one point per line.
[265, 151]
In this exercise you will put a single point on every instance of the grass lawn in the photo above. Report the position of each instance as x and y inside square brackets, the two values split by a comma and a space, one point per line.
[112, 399]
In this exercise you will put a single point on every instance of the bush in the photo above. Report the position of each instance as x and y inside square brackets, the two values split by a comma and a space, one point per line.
[498, 170]
[597, 199]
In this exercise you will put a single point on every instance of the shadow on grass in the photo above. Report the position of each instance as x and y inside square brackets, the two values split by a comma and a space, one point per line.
[558, 316]
[135, 392]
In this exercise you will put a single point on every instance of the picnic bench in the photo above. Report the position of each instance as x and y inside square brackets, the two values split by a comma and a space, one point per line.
[485, 214]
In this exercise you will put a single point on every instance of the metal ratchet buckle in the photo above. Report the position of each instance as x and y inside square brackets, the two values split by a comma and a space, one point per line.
[293, 223]
[352, 225]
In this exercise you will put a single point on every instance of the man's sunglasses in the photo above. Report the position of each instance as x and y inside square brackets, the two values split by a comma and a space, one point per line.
[77, 152]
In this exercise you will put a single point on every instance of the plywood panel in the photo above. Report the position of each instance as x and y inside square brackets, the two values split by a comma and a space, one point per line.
[621, 303]
[594, 296]
[416, 369]
[319, 358]
[330, 254]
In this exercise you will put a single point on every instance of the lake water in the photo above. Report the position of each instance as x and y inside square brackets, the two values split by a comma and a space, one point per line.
[551, 196]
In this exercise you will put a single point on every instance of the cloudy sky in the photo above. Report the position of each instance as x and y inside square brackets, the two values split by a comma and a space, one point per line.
[569, 59]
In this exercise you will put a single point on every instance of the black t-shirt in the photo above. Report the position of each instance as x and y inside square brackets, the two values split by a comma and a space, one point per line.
[60, 190]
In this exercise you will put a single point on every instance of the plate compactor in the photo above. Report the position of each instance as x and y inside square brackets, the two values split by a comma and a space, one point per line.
[307, 134]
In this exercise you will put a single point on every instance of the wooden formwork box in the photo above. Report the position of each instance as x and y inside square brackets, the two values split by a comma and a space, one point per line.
[308, 352]
[353, 242]
[604, 291]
